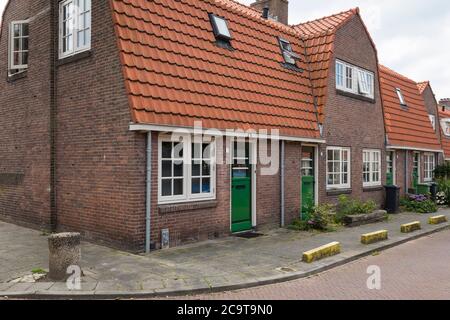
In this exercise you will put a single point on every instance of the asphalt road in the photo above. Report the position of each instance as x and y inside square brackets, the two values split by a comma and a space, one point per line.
[419, 269]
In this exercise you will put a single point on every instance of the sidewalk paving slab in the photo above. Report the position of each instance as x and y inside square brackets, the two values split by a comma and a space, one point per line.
[215, 265]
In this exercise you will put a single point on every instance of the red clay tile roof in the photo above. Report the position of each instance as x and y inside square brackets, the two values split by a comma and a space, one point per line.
[319, 36]
[175, 74]
[422, 86]
[405, 127]
[445, 141]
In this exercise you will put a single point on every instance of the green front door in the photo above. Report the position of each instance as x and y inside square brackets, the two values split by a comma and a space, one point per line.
[308, 181]
[415, 173]
[241, 188]
[390, 168]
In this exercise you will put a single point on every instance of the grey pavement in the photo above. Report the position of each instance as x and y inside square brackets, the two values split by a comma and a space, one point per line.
[216, 265]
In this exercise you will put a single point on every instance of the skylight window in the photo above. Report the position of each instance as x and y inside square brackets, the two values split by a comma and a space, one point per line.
[290, 57]
[400, 97]
[220, 28]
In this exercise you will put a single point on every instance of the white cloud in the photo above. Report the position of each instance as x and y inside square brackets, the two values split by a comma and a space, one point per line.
[411, 35]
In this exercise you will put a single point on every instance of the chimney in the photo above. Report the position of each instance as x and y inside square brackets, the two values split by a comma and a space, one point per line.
[278, 9]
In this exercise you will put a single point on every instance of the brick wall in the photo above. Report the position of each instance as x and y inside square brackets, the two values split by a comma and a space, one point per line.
[24, 122]
[350, 122]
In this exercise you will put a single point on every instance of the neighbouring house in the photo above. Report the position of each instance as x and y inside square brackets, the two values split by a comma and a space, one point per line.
[445, 104]
[444, 122]
[344, 71]
[432, 107]
[413, 146]
[147, 124]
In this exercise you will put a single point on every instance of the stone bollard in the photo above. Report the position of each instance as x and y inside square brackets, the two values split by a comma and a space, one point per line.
[64, 251]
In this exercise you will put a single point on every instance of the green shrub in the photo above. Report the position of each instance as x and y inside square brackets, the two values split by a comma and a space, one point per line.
[418, 203]
[442, 171]
[348, 206]
[319, 218]
[443, 196]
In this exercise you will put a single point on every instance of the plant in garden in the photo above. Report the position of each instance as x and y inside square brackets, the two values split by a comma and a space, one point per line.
[419, 203]
[443, 196]
[319, 219]
[348, 206]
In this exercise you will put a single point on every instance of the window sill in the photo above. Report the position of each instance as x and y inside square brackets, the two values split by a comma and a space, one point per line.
[187, 206]
[355, 96]
[74, 58]
[17, 76]
[337, 192]
[373, 188]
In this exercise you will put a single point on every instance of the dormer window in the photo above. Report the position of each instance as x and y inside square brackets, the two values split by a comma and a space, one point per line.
[355, 80]
[290, 57]
[400, 96]
[220, 28]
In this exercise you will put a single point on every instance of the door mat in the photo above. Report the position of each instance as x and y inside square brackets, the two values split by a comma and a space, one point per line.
[249, 235]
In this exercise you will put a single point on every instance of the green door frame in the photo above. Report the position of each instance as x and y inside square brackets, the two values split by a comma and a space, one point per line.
[252, 159]
[314, 178]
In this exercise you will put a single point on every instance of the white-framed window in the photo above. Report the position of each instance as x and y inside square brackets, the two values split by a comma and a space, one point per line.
[338, 168]
[371, 168]
[289, 55]
[74, 27]
[220, 27]
[355, 80]
[433, 121]
[18, 46]
[430, 165]
[400, 96]
[186, 170]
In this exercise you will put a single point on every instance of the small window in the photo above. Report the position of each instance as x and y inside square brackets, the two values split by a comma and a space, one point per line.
[355, 80]
[18, 46]
[289, 55]
[430, 166]
[400, 97]
[371, 168]
[338, 168]
[433, 121]
[74, 27]
[220, 28]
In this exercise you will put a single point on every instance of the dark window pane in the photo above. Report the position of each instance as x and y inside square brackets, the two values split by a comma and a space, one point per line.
[25, 29]
[178, 150]
[178, 169]
[195, 169]
[25, 44]
[17, 56]
[167, 150]
[25, 57]
[17, 30]
[196, 185]
[206, 168]
[177, 187]
[16, 44]
[167, 168]
[166, 187]
[206, 185]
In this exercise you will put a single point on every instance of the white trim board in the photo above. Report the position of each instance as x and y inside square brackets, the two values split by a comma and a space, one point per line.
[191, 130]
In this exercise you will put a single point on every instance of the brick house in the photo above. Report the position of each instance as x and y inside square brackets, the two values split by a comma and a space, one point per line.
[147, 123]
[413, 145]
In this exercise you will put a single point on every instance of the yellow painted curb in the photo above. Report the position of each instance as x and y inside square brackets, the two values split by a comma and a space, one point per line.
[437, 219]
[373, 237]
[410, 227]
[327, 250]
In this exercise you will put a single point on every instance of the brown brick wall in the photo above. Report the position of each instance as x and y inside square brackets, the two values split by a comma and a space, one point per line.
[24, 122]
[350, 122]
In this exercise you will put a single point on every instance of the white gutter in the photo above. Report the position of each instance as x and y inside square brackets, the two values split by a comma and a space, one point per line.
[148, 202]
[413, 149]
[191, 130]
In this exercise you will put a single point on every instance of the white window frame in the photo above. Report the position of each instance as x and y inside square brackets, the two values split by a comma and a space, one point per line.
[419, 174]
[430, 166]
[362, 82]
[75, 29]
[433, 121]
[11, 50]
[394, 165]
[400, 96]
[372, 154]
[187, 195]
[349, 169]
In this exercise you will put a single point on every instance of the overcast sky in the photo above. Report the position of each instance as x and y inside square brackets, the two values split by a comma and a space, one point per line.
[412, 36]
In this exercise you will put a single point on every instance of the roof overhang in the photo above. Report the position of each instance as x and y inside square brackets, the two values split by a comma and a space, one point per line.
[216, 132]
[413, 149]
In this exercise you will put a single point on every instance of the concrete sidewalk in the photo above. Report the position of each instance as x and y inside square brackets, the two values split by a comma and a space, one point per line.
[224, 264]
